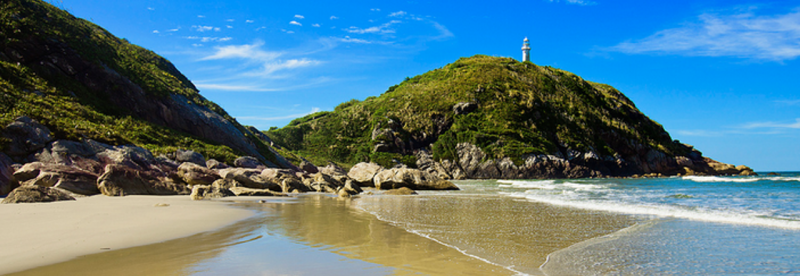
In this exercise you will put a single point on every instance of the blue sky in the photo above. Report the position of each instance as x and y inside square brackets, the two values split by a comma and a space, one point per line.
[721, 75]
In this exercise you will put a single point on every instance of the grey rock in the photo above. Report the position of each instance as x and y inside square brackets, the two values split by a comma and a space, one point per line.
[248, 162]
[201, 192]
[363, 173]
[194, 174]
[120, 180]
[6, 174]
[190, 156]
[463, 108]
[26, 135]
[214, 164]
[33, 194]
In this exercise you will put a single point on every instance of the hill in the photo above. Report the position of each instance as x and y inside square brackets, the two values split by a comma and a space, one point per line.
[490, 117]
[82, 82]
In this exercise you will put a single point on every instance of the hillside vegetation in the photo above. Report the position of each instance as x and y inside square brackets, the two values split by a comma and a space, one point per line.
[520, 109]
[81, 82]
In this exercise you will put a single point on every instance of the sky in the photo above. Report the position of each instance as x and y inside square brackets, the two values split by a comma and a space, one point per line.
[723, 76]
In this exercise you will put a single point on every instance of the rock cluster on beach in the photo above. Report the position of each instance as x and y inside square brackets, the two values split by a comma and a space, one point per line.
[53, 170]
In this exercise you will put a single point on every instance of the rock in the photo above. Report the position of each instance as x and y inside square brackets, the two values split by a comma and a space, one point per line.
[745, 170]
[190, 156]
[426, 163]
[411, 178]
[26, 135]
[226, 184]
[250, 178]
[32, 194]
[464, 108]
[773, 174]
[722, 168]
[342, 193]
[308, 167]
[248, 162]
[334, 171]
[119, 180]
[469, 158]
[352, 188]
[363, 173]
[242, 191]
[130, 156]
[6, 174]
[194, 174]
[71, 179]
[215, 165]
[400, 191]
[200, 192]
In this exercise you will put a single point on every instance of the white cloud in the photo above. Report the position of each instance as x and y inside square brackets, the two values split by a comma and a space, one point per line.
[315, 25]
[225, 87]
[375, 10]
[230, 20]
[443, 31]
[155, 31]
[383, 29]
[299, 16]
[272, 67]
[209, 39]
[174, 30]
[247, 51]
[397, 14]
[151, 8]
[795, 125]
[743, 35]
[295, 23]
[202, 28]
[250, 21]
[576, 2]
[333, 17]
[201, 16]
[260, 28]
[229, 26]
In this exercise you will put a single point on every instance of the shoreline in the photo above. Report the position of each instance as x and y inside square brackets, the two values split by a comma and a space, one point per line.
[40, 234]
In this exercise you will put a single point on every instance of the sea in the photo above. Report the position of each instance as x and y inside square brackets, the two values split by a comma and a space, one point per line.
[691, 225]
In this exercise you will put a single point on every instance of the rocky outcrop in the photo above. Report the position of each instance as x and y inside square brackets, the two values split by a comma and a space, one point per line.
[64, 177]
[248, 162]
[410, 178]
[119, 180]
[243, 191]
[6, 174]
[26, 135]
[201, 192]
[194, 174]
[33, 194]
[250, 178]
[363, 173]
[334, 171]
[183, 156]
[464, 108]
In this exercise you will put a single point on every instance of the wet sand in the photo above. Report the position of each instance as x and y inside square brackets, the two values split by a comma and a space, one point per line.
[36, 234]
[319, 234]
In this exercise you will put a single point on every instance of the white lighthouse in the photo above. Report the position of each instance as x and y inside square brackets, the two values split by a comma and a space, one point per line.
[526, 50]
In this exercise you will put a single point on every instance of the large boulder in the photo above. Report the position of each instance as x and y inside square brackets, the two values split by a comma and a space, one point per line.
[26, 136]
[69, 178]
[194, 174]
[363, 173]
[32, 194]
[200, 192]
[183, 156]
[308, 167]
[411, 178]
[250, 178]
[214, 164]
[6, 174]
[334, 171]
[119, 180]
[248, 162]
[287, 179]
[323, 183]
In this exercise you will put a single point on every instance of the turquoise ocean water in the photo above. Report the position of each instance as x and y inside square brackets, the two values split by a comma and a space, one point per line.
[684, 225]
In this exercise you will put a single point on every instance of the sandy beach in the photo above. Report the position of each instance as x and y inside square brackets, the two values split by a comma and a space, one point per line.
[37, 234]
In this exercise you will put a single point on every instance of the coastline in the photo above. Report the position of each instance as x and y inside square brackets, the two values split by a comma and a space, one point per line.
[39, 234]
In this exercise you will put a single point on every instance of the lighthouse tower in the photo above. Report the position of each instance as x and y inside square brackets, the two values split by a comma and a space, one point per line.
[526, 50]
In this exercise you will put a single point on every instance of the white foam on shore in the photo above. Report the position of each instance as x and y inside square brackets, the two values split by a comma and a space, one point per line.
[706, 179]
[549, 185]
[662, 211]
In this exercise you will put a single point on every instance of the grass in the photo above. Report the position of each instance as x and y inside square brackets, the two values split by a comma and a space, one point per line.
[522, 109]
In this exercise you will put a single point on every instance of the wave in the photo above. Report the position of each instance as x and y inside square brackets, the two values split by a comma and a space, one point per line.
[548, 185]
[665, 211]
[720, 179]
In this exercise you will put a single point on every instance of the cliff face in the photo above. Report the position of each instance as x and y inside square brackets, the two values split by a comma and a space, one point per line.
[82, 82]
[487, 117]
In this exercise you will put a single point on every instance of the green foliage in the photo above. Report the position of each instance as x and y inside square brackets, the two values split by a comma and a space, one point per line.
[72, 110]
[522, 109]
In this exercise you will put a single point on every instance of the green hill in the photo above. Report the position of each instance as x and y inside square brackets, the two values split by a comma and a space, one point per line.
[521, 110]
[82, 82]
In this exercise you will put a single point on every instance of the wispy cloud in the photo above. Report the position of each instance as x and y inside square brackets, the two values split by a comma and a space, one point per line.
[788, 102]
[299, 16]
[397, 14]
[742, 35]
[250, 21]
[268, 62]
[201, 16]
[295, 23]
[174, 30]
[151, 8]
[205, 28]
[575, 2]
[775, 125]
[334, 17]
[247, 51]
[382, 29]
[155, 31]
[375, 10]
[315, 25]
[209, 38]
